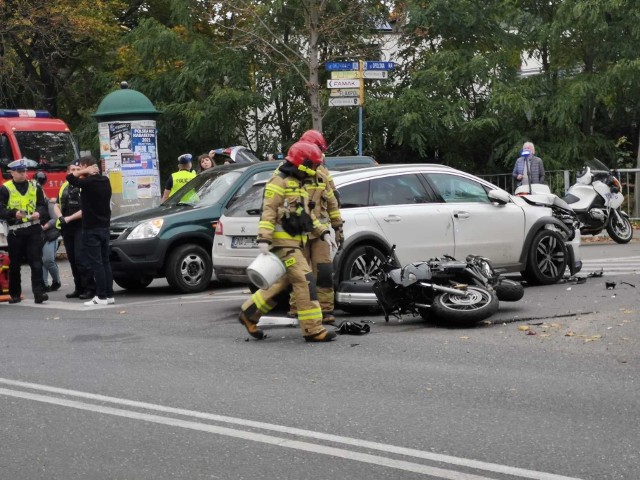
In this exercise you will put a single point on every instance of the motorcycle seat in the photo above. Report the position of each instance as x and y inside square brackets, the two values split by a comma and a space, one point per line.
[411, 273]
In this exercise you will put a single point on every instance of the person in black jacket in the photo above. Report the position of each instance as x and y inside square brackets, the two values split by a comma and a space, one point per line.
[95, 199]
[21, 205]
[69, 212]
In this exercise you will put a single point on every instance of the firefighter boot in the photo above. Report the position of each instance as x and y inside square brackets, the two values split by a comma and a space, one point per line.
[251, 327]
[328, 318]
[323, 336]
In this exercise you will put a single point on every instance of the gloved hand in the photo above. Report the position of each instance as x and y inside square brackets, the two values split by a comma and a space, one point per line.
[339, 237]
[326, 236]
[264, 247]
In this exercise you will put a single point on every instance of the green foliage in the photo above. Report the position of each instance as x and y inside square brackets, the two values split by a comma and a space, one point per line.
[251, 72]
[461, 101]
[200, 86]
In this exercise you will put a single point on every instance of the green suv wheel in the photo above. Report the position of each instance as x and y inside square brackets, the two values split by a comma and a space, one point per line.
[189, 269]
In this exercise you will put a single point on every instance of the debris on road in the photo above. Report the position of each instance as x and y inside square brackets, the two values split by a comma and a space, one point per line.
[596, 274]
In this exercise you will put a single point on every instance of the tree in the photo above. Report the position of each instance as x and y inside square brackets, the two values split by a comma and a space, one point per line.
[48, 46]
[179, 58]
[290, 40]
[454, 53]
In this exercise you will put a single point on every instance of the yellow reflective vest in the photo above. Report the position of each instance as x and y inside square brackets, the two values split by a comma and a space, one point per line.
[17, 201]
[180, 178]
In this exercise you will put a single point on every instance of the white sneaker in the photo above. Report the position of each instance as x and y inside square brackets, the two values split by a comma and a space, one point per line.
[96, 301]
[111, 301]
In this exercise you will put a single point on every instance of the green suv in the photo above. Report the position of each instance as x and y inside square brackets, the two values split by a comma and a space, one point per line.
[174, 240]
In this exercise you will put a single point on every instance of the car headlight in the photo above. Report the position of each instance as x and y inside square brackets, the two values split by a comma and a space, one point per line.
[148, 229]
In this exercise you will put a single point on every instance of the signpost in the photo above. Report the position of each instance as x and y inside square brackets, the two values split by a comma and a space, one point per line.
[377, 74]
[344, 101]
[345, 92]
[379, 65]
[332, 66]
[347, 88]
[342, 74]
[354, 83]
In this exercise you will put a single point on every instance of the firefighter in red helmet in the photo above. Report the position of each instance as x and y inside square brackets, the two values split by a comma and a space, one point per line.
[324, 203]
[285, 224]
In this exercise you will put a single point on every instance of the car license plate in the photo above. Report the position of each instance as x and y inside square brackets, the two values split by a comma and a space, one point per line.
[244, 242]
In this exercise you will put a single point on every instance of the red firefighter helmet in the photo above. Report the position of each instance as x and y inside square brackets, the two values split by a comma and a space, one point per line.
[315, 137]
[305, 156]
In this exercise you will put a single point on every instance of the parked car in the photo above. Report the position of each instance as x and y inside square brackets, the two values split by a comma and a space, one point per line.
[174, 240]
[426, 211]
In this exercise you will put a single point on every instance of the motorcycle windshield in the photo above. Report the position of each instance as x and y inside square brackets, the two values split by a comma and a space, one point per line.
[596, 166]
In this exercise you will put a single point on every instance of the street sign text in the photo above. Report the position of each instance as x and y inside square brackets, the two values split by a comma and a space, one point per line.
[344, 102]
[329, 66]
[379, 65]
[343, 83]
[344, 92]
[344, 74]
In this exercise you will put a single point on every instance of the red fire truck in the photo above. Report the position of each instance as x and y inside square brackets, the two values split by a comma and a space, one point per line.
[36, 135]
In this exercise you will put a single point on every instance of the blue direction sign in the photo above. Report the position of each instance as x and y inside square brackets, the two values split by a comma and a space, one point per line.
[379, 65]
[331, 66]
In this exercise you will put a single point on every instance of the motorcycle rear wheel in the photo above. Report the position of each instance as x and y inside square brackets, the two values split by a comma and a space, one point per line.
[619, 227]
[479, 305]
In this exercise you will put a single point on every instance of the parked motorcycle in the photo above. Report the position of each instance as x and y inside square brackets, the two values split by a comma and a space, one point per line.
[596, 198]
[444, 288]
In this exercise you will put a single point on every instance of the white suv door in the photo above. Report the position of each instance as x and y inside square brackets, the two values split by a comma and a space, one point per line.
[480, 226]
[404, 211]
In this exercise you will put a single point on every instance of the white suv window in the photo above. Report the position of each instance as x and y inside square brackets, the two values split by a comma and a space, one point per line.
[397, 190]
[354, 195]
[456, 189]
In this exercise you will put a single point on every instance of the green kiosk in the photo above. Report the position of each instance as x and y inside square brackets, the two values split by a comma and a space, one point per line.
[129, 149]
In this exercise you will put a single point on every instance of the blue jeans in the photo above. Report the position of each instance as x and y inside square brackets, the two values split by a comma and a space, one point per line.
[49, 265]
[97, 249]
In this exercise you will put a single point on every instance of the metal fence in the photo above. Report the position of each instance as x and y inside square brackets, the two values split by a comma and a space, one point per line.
[559, 182]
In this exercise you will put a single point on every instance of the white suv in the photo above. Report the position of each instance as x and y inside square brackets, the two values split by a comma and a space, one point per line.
[425, 210]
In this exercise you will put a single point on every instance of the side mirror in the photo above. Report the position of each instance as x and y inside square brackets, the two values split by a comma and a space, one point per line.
[499, 196]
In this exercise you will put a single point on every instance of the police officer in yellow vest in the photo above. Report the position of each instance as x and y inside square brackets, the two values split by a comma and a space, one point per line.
[178, 179]
[284, 226]
[21, 205]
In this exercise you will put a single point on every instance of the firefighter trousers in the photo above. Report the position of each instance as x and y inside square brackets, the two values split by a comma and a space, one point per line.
[318, 255]
[301, 279]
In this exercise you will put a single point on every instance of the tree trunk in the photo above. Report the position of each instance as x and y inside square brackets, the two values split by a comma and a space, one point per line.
[314, 65]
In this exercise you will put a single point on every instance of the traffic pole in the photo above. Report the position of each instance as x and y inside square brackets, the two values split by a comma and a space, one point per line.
[361, 63]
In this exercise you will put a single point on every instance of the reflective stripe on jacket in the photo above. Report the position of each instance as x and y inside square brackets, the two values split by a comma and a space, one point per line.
[284, 197]
[322, 197]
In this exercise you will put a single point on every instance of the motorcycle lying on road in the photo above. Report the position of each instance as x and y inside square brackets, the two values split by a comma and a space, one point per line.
[596, 198]
[445, 288]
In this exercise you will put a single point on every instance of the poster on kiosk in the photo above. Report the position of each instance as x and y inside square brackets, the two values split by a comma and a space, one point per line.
[128, 153]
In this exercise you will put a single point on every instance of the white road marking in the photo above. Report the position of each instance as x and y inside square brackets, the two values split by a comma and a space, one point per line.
[310, 447]
[81, 307]
[612, 266]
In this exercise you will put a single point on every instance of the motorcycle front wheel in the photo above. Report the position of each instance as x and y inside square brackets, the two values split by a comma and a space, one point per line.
[509, 291]
[478, 305]
[619, 227]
